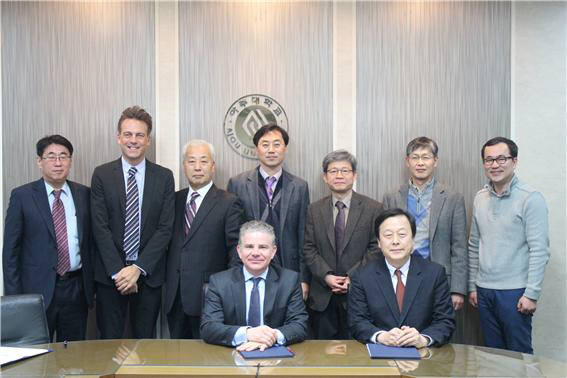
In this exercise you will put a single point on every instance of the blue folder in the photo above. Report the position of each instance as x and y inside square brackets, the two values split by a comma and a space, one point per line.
[392, 352]
[271, 352]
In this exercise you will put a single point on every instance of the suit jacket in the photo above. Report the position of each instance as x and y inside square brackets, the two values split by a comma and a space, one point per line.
[293, 208]
[427, 305]
[209, 247]
[359, 245]
[447, 231]
[225, 306]
[108, 203]
[29, 254]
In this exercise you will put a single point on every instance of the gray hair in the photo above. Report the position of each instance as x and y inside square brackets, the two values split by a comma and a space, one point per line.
[199, 142]
[339, 155]
[256, 226]
[422, 142]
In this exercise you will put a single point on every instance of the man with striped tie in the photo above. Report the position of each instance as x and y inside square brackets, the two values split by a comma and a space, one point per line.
[132, 202]
[48, 241]
[205, 234]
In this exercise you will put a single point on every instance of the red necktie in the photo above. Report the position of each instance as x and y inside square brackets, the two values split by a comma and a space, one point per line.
[400, 289]
[60, 224]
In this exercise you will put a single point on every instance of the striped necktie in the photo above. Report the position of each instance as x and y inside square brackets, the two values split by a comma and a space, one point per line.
[190, 211]
[60, 224]
[132, 228]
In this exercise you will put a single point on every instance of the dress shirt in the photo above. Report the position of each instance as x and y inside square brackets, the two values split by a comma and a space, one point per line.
[240, 335]
[202, 193]
[70, 221]
[404, 270]
[277, 176]
[346, 200]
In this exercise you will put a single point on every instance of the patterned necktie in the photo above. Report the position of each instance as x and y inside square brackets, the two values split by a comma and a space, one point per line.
[400, 289]
[132, 228]
[60, 224]
[254, 309]
[269, 187]
[339, 227]
[190, 211]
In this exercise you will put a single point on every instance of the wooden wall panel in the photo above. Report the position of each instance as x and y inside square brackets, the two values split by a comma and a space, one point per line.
[280, 49]
[71, 68]
[439, 69]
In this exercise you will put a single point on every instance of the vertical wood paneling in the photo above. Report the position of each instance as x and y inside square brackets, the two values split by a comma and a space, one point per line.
[70, 68]
[440, 69]
[281, 49]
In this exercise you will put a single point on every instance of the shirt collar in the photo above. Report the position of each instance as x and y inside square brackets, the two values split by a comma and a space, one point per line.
[404, 269]
[345, 200]
[141, 166]
[248, 275]
[65, 188]
[265, 174]
[506, 191]
[427, 187]
[202, 192]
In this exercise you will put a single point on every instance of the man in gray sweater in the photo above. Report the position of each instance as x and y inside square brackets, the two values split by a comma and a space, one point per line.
[508, 250]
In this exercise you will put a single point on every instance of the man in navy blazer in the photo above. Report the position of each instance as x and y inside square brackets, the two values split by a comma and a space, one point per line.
[282, 203]
[400, 299]
[256, 305]
[52, 258]
[130, 264]
[207, 221]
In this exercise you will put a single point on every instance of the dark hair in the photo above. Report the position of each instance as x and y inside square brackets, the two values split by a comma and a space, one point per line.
[339, 155]
[512, 147]
[136, 112]
[47, 141]
[422, 142]
[393, 213]
[266, 129]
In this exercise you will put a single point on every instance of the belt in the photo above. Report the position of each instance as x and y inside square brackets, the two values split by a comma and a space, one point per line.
[69, 275]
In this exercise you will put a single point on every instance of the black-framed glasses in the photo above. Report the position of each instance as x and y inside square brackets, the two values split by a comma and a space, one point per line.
[53, 158]
[343, 171]
[501, 160]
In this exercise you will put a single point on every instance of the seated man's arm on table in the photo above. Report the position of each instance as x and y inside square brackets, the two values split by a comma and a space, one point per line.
[294, 328]
[359, 319]
[443, 317]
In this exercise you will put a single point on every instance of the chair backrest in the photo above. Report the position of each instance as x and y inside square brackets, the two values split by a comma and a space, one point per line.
[23, 320]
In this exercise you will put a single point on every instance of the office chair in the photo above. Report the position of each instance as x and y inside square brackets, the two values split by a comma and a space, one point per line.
[23, 320]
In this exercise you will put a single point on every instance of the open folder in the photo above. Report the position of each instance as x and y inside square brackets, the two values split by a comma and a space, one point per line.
[392, 352]
[271, 352]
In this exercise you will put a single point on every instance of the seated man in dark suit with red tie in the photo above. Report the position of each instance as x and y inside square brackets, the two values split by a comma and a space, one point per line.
[256, 305]
[400, 299]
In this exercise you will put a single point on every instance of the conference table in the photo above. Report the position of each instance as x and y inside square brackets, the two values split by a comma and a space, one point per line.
[313, 358]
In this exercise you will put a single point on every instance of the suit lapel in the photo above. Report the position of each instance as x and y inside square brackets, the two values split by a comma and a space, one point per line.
[77, 200]
[42, 203]
[180, 201]
[287, 192]
[150, 182]
[118, 178]
[437, 201]
[270, 293]
[413, 283]
[402, 197]
[327, 216]
[354, 214]
[385, 286]
[208, 203]
[239, 295]
[253, 192]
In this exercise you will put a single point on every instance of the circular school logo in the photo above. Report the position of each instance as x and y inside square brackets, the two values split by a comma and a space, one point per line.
[245, 116]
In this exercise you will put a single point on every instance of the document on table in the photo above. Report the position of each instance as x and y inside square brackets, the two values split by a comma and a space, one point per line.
[12, 354]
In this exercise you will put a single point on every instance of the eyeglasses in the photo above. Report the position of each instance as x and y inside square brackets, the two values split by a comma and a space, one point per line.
[53, 158]
[423, 158]
[343, 171]
[500, 160]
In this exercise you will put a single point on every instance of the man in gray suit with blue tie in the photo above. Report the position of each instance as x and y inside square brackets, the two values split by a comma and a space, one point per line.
[257, 305]
[275, 196]
[439, 214]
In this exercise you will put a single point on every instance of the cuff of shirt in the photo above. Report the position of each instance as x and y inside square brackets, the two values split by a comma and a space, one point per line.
[141, 270]
[430, 340]
[374, 338]
[280, 338]
[240, 336]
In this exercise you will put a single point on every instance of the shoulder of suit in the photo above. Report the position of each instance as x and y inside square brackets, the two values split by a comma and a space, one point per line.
[285, 274]
[78, 186]
[296, 179]
[26, 187]
[427, 265]
[368, 202]
[158, 168]
[242, 176]
[322, 202]
[224, 275]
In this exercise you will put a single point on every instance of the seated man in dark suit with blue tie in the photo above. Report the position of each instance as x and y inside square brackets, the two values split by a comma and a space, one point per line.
[256, 305]
[400, 299]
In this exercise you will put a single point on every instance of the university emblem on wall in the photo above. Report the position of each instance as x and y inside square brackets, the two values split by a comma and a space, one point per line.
[245, 116]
